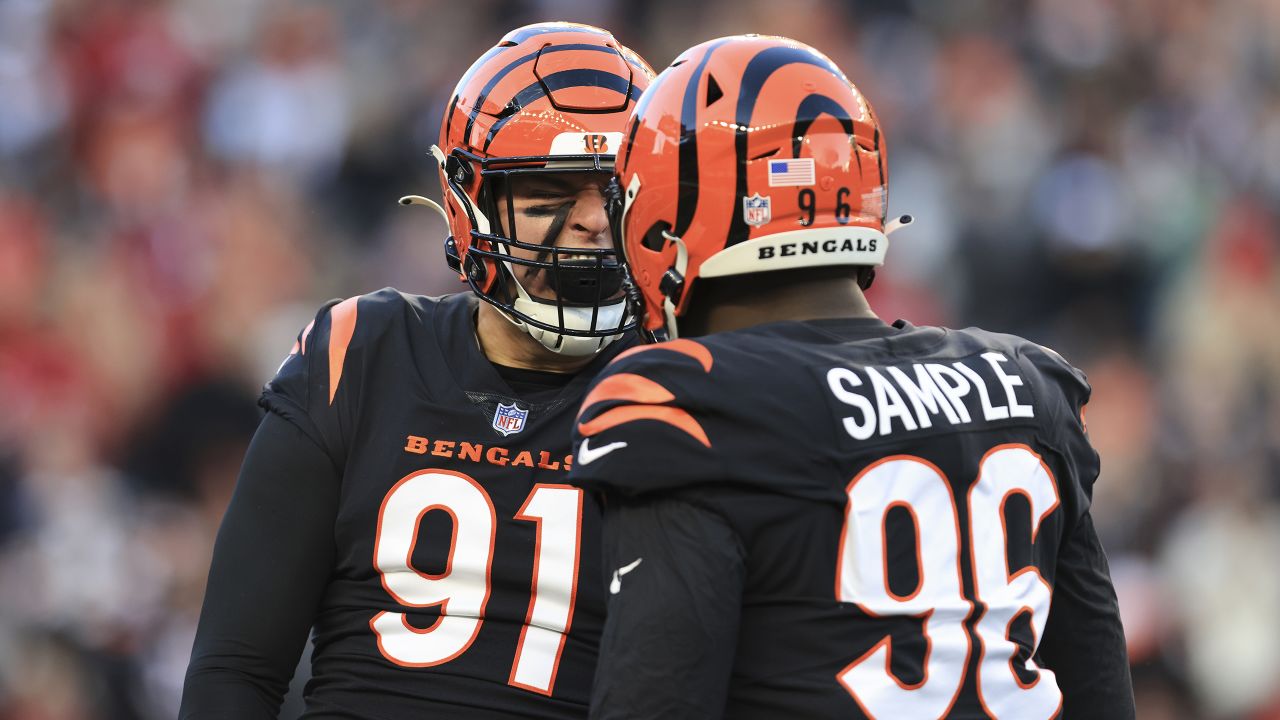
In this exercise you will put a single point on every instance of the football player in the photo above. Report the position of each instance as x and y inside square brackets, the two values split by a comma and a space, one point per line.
[405, 496]
[809, 512]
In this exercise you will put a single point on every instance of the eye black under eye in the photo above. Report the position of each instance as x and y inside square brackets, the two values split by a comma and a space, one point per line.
[544, 210]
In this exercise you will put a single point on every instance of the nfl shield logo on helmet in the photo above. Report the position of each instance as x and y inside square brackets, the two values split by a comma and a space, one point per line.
[509, 419]
[756, 210]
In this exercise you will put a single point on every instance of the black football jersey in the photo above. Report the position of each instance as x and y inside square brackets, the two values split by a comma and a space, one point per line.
[461, 587]
[897, 512]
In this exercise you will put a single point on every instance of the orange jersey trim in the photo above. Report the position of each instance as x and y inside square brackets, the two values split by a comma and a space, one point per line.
[674, 417]
[684, 347]
[342, 328]
[300, 345]
[306, 333]
[627, 386]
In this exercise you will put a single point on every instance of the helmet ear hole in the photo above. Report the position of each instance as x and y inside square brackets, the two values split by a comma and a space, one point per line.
[458, 170]
[451, 254]
[654, 237]
[476, 269]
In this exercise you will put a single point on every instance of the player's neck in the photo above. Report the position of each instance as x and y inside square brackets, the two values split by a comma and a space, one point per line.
[505, 344]
[724, 305]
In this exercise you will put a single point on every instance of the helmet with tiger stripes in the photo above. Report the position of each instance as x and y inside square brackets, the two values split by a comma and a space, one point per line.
[748, 154]
[548, 98]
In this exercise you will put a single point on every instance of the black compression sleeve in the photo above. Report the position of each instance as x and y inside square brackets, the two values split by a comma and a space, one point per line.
[676, 574]
[1083, 640]
[271, 561]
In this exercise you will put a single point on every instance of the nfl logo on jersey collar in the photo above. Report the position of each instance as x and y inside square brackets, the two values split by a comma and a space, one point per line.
[509, 419]
[756, 210]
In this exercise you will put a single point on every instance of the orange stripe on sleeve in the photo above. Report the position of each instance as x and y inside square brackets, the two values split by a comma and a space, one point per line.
[627, 386]
[300, 345]
[306, 333]
[674, 417]
[342, 327]
[684, 347]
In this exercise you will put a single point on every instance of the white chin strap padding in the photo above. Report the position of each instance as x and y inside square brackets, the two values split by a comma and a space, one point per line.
[898, 223]
[681, 266]
[425, 202]
[575, 318]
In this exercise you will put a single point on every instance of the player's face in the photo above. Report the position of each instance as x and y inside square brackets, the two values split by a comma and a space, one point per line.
[565, 210]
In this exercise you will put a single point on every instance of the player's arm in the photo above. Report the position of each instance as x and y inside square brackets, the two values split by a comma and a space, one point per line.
[676, 573]
[1083, 640]
[271, 561]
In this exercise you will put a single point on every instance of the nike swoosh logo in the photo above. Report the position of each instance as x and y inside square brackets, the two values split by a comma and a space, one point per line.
[615, 585]
[588, 454]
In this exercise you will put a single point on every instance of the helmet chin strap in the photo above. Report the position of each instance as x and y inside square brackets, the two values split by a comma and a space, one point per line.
[575, 318]
[681, 267]
[558, 314]
[682, 257]
[425, 202]
[898, 223]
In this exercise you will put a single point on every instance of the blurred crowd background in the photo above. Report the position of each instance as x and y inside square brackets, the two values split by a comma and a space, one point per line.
[183, 182]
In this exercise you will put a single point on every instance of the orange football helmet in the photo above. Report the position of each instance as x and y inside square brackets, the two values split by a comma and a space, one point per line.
[747, 154]
[548, 98]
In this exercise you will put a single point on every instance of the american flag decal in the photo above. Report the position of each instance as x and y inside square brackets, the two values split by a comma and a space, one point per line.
[791, 173]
